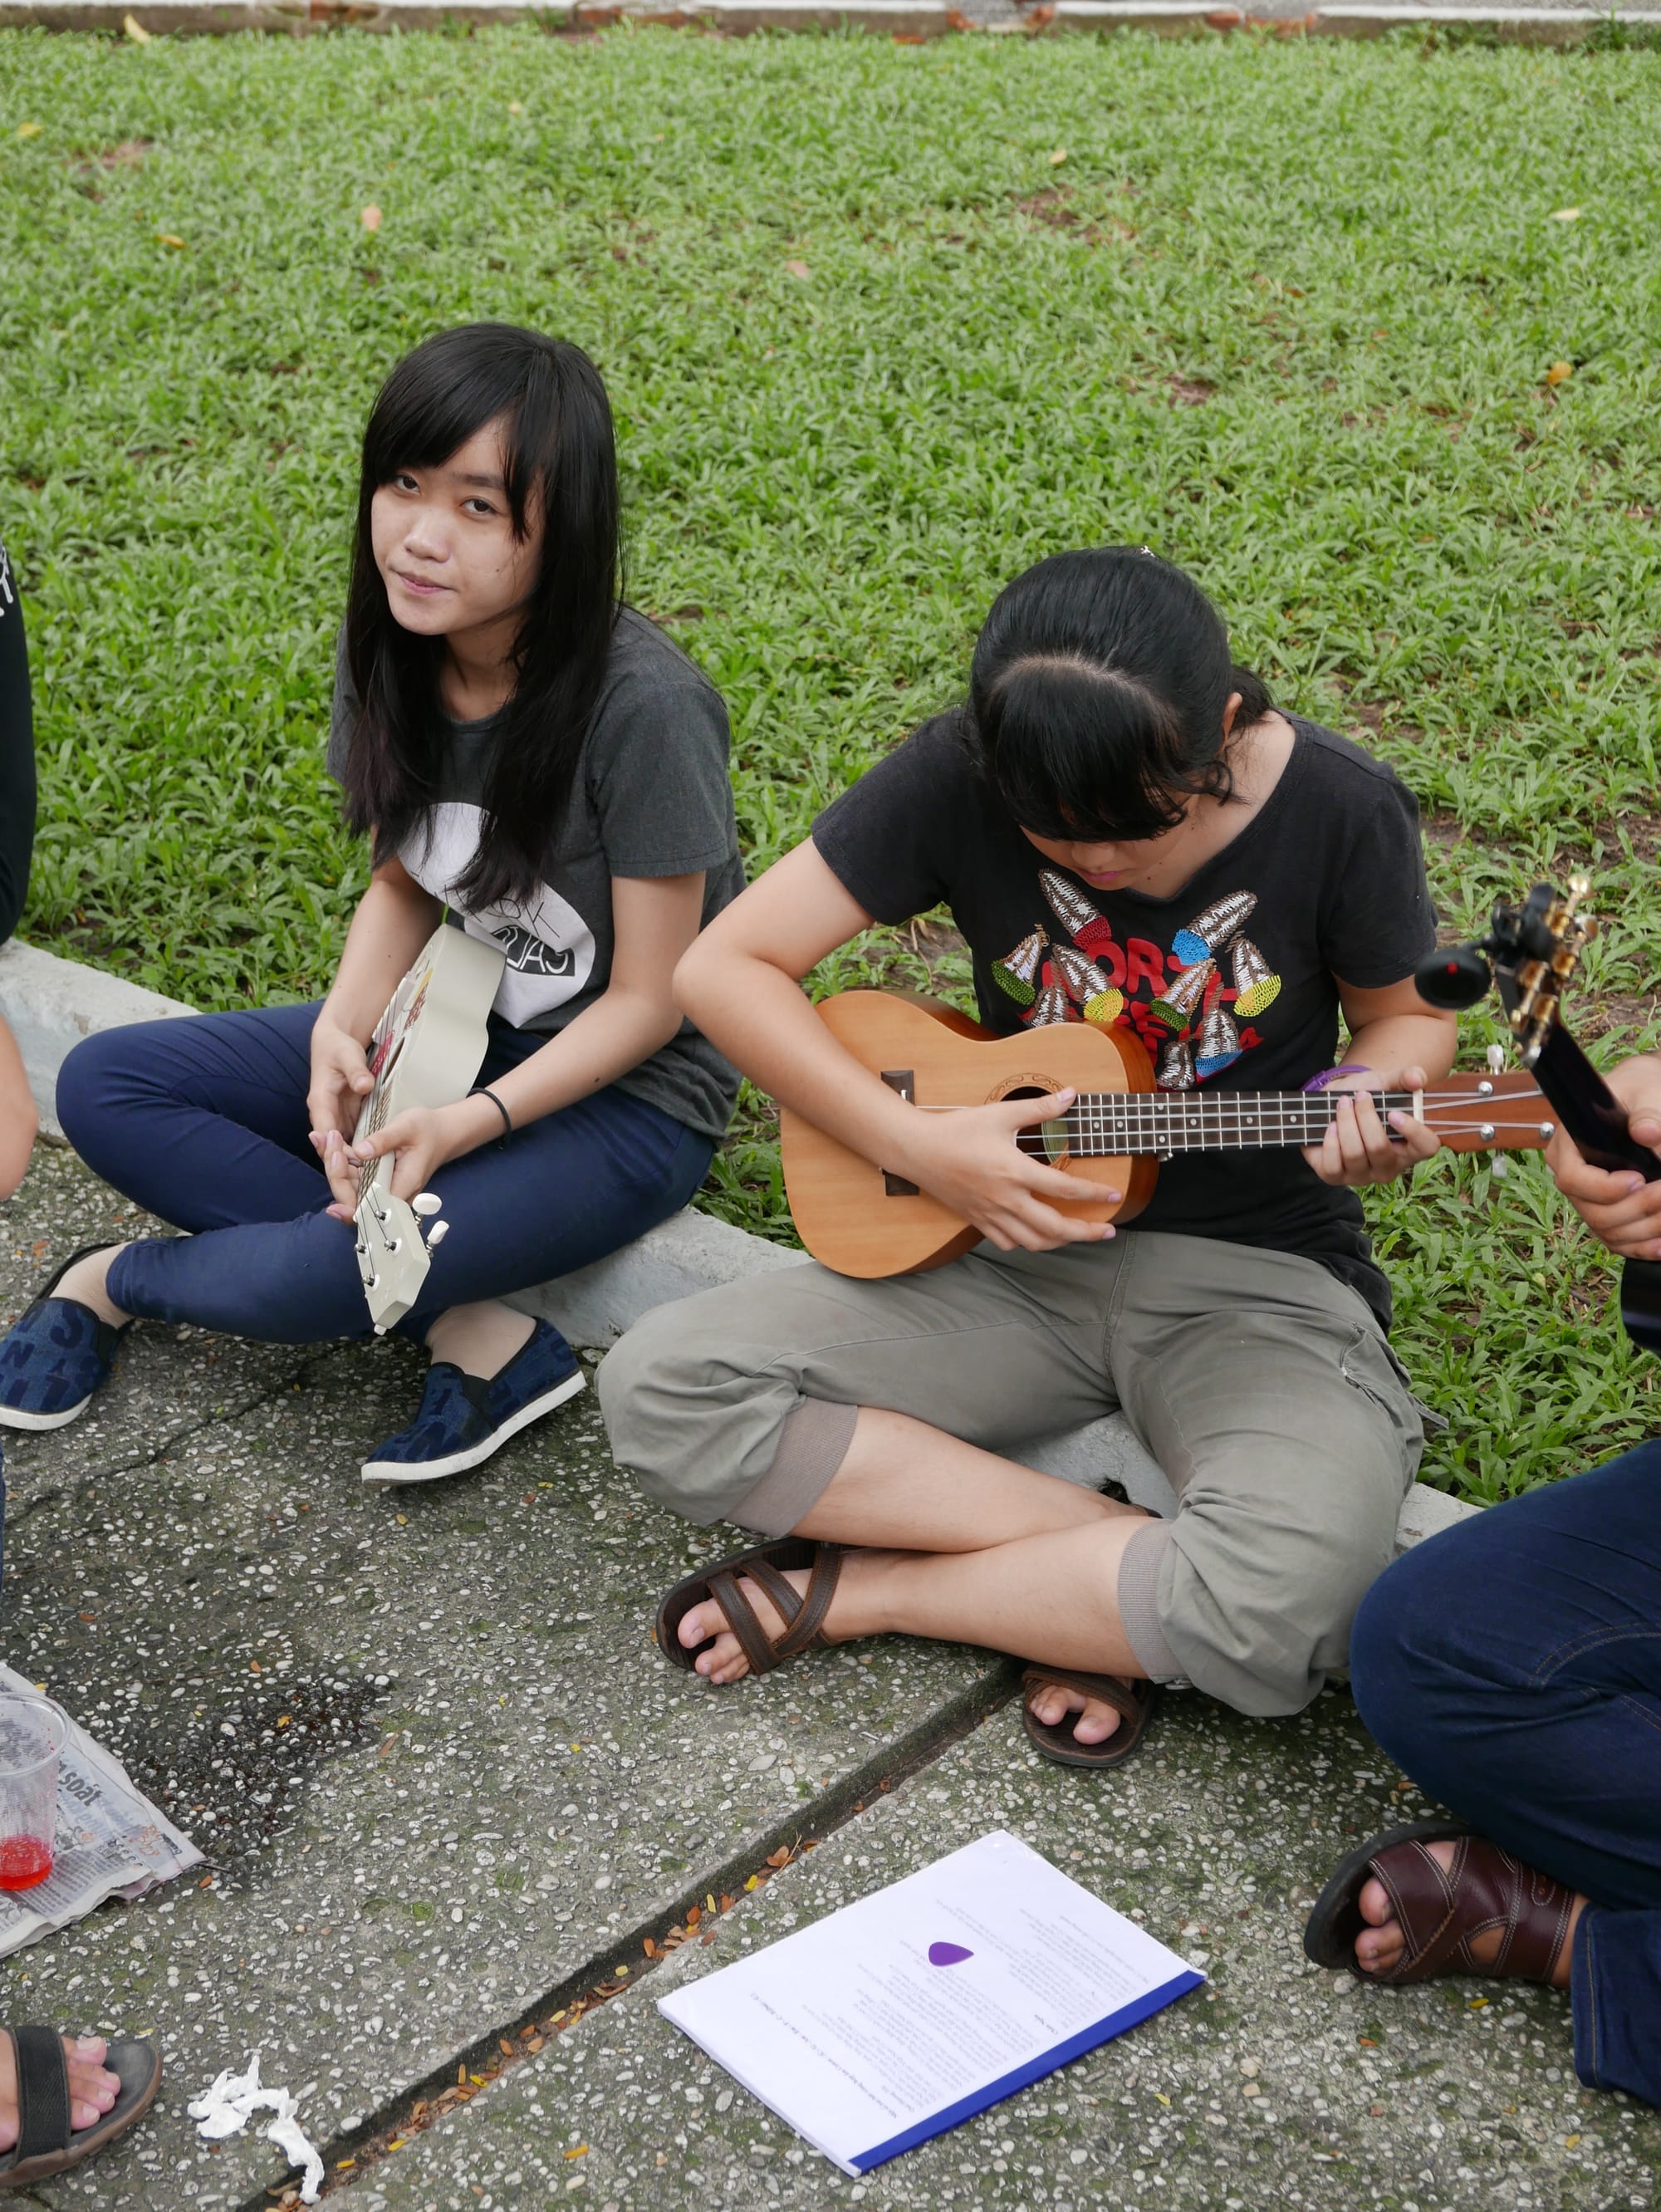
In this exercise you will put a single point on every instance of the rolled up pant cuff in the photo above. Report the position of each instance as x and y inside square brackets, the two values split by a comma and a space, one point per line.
[812, 1445]
[1138, 1601]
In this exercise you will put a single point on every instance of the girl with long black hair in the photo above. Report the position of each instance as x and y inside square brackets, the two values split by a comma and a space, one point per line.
[1127, 831]
[533, 756]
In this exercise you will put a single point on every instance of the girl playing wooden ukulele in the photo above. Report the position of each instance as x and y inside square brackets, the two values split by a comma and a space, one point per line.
[543, 760]
[1126, 830]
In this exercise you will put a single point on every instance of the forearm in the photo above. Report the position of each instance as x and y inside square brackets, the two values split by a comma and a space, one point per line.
[394, 919]
[1399, 1041]
[620, 1029]
[762, 1020]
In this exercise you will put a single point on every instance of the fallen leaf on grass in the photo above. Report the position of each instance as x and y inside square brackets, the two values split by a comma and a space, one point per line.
[797, 269]
[1566, 215]
[135, 30]
[1057, 157]
[1560, 372]
[166, 238]
[28, 130]
[516, 107]
[370, 219]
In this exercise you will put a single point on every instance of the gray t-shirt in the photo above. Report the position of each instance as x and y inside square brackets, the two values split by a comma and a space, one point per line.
[651, 798]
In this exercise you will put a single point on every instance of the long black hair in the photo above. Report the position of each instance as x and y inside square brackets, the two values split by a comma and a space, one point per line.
[559, 466]
[1097, 695]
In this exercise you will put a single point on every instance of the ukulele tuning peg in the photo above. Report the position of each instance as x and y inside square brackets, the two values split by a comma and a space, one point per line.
[436, 1234]
[425, 1202]
[1501, 1167]
[1496, 1059]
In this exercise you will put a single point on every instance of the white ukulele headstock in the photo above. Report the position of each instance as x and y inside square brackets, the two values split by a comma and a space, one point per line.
[394, 1237]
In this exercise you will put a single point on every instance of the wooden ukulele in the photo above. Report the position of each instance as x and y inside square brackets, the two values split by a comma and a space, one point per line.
[425, 1051]
[1531, 953]
[857, 1219]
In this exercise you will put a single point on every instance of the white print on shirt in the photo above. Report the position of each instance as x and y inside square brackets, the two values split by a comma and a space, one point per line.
[7, 597]
[549, 947]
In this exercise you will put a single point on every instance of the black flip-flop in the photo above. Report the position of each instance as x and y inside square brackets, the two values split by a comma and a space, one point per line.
[46, 2144]
[1330, 1932]
[1135, 1702]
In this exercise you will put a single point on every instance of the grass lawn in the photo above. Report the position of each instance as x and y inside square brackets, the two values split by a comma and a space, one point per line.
[882, 324]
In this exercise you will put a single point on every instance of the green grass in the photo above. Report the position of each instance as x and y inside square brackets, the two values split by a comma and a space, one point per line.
[1285, 312]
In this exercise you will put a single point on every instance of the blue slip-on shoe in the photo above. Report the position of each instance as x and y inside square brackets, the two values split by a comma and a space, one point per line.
[463, 1419]
[55, 1356]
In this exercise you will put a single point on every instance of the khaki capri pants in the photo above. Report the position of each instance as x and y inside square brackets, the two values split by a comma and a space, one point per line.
[1262, 1385]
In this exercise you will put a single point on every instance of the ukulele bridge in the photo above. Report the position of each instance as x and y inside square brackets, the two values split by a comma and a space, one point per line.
[903, 1080]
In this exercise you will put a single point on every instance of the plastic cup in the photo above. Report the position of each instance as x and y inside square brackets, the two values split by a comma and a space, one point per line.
[32, 1733]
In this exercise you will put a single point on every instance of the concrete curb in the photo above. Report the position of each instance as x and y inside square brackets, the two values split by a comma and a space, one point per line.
[51, 1004]
[905, 19]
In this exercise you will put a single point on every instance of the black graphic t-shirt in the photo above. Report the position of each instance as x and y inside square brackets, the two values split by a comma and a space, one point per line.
[651, 798]
[1229, 984]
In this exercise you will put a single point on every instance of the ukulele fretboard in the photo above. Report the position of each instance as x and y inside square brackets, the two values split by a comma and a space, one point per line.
[1110, 1124]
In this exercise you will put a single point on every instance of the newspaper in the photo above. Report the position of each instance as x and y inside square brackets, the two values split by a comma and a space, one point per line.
[111, 1842]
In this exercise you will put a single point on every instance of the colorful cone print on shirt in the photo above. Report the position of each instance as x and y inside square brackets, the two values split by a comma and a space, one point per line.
[1106, 1010]
[1083, 980]
[1051, 1006]
[1219, 1044]
[1183, 997]
[1090, 931]
[1017, 971]
[1256, 984]
[1209, 931]
[1176, 1069]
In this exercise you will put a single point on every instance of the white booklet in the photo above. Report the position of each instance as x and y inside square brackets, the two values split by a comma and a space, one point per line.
[898, 2017]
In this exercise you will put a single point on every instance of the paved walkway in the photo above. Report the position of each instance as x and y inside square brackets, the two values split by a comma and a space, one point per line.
[446, 1785]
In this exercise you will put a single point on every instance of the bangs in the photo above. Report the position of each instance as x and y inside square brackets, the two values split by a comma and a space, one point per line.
[449, 389]
[1079, 752]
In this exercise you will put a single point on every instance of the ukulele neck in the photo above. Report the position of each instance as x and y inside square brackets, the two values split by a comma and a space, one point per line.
[1111, 1124]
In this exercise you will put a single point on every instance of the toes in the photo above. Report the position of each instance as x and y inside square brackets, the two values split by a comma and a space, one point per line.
[8, 2130]
[1096, 1723]
[692, 1631]
[1374, 1902]
[1047, 1706]
[83, 2115]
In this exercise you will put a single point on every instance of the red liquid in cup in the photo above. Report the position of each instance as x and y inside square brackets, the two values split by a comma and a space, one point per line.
[24, 1860]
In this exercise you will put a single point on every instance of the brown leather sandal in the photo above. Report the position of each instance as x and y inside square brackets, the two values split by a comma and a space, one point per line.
[1134, 1701]
[768, 1565]
[1441, 1909]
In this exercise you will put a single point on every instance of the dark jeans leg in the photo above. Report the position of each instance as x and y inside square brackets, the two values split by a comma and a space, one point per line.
[1512, 1667]
[203, 1121]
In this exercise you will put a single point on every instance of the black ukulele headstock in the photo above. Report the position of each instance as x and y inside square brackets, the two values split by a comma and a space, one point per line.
[1531, 952]
[1530, 955]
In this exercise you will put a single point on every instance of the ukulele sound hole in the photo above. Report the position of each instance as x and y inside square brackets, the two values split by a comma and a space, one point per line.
[1046, 1140]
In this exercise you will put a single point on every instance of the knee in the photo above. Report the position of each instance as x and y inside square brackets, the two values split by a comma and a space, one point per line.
[90, 1085]
[1411, 1648]
[647, 1393]
[1260, 1618]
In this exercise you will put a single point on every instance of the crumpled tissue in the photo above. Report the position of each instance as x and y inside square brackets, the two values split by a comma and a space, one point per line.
[228, 2105]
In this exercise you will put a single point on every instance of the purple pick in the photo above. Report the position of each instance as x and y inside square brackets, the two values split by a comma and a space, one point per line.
[947, 1954]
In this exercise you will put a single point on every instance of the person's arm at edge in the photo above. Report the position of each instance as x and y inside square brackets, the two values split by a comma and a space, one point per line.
[1620, 1208]
[19, 1121]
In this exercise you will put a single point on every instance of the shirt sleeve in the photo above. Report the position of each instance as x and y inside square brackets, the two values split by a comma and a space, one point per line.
[17, 786]
[889, 839]
[656, 767]
[1378, 923]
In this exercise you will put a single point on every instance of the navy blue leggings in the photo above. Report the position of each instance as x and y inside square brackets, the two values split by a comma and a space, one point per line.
[1513, 1667]
[203, 1121]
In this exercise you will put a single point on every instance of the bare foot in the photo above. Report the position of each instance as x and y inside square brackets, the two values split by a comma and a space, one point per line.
[85, 1281]
[93, 2088]
[1095, 1723]
[1380, 1945]
[849, 1615]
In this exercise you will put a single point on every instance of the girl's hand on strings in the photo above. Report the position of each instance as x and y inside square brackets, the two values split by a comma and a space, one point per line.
[1361, 1148]
[421, 1138]
[341, 1081]
[971, 1161]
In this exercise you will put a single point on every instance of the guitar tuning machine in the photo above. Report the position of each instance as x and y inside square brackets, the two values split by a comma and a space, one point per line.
[1496, 1059]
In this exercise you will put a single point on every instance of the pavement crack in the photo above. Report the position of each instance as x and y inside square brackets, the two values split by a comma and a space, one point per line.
[402, 2120]
[167, 1445]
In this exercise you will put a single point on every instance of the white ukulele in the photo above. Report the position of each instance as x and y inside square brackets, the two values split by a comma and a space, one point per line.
[425, 1051]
